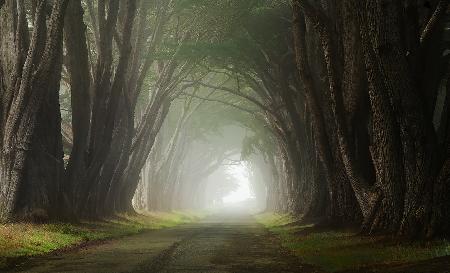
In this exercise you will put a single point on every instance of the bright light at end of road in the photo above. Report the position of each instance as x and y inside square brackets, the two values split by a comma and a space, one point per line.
[243, 192]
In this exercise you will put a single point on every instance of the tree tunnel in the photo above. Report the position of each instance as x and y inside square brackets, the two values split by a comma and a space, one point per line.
[329, 110]
[203, 165]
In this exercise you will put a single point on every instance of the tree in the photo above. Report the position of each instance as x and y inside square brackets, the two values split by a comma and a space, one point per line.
[30, 72]
[410, 164]
[109, 148]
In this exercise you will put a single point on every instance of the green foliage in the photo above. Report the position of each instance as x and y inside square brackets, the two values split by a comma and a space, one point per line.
[228, 31]
[240, 35]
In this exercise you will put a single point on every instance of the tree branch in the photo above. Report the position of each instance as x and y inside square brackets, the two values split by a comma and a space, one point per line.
[234, 92]
[434, 22]
[222, 102]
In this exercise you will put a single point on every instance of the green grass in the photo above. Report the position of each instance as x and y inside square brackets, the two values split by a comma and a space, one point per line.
[24, 239]
[336, 250]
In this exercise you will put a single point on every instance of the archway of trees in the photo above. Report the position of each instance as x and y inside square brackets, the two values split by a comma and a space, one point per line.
[339, 109]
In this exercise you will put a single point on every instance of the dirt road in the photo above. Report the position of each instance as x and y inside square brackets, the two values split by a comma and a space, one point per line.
[225, 243]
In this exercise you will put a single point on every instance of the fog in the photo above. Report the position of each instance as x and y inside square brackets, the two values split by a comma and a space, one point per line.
[202, 163]
[243, 192]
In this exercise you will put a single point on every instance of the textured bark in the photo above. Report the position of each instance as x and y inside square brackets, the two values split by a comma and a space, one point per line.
[101, 129]
[105, 112]
[43, 180]
[340, 196]
[26, 74]
[140, 140]
[409, 168]
[418, 141]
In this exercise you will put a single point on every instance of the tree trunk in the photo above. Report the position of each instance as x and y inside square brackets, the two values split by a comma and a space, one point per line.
[22, 102]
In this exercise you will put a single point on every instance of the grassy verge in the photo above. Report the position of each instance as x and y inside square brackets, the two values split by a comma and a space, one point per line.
[339, 250]
[22, 240]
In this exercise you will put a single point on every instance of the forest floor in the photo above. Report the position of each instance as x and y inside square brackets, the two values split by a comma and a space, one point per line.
[343, 250]
[19, 242]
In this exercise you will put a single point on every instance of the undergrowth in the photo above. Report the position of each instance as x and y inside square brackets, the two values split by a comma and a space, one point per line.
[338, 250]
[26, 239]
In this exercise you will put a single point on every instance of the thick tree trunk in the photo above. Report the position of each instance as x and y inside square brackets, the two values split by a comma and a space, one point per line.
[410, 171]
[78, 69]
[21, 107]
[341, 204]
[44, 168]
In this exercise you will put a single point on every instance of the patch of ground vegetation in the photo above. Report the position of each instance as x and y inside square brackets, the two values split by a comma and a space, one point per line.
[343, 250]
[22, 240]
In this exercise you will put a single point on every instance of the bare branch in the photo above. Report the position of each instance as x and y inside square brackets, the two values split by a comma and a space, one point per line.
[434, 22]
[234, 92]
[222, 102]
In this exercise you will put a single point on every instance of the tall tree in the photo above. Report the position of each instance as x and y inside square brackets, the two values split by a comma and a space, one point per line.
[30, 71]
[409, 163]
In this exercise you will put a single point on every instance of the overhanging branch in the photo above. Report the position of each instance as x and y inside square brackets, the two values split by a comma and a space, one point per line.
[220, 101]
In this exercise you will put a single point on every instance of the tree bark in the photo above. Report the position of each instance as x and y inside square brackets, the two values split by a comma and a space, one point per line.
[23, 97]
